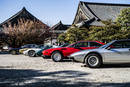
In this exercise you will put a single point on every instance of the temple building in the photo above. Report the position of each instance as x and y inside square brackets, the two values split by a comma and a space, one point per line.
[91, 14]
[22, 14]
[58, 29]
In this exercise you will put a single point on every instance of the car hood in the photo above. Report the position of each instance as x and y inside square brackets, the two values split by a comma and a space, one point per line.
[59, 48]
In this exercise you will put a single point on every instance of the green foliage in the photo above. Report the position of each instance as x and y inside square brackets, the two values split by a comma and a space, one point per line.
[76, 34]
[61, 38]
[73, 34]
[106, 33]
[124, 18]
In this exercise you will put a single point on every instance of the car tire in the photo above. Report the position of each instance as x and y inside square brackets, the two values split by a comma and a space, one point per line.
[93, 61]
[56, 56]
[31, 53]
[13, 52]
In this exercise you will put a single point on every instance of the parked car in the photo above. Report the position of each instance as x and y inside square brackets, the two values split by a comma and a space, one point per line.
[22, 50]
[117, 51]
[57, 54]
[29, 46]
[32, 51]
[38, 51]
[17, 50]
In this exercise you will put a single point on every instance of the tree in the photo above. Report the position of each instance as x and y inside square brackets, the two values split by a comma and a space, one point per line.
[124, 18]
[61, 38]
[106, 33]
[76, 34]
[26, 32]
[111, 31]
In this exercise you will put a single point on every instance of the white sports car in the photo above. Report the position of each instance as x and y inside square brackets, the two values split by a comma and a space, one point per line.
[32, 51]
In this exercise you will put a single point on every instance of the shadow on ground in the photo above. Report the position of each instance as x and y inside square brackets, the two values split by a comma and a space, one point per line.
[106, 66]
[126, 65]
[30, 78]
[4, 52]
[64, 60]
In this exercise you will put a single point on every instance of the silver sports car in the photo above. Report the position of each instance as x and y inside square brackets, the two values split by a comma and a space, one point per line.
[117, 51]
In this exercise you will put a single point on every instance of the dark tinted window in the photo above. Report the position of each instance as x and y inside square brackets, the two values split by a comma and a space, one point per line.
[121, 44]
[95, 44]
[81, 44]
[127, 44]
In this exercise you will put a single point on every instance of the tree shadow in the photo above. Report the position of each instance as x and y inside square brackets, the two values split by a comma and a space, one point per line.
[67, 60]
[52, 83]
[39, 78]
[17, 77]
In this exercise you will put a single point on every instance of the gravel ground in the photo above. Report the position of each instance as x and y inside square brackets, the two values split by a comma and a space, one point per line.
[24, 71]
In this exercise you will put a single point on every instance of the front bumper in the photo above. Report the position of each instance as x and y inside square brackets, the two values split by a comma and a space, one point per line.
[45, 56]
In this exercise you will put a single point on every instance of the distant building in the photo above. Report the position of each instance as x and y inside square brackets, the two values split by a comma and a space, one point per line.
[58, 29]
[91, 14]
[22, 14]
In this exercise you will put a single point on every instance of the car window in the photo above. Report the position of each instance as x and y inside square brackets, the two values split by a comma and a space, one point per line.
[40, 46]
[121, 44]
[29, 46]
[72, 45]
[126, 44]
[81, 44]
[95, 44]
[117, 45]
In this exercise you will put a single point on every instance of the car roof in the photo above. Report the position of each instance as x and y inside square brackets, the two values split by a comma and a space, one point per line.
[91, 41]
[88, 41]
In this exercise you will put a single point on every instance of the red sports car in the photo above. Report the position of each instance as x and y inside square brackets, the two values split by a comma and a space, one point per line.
[57, 54]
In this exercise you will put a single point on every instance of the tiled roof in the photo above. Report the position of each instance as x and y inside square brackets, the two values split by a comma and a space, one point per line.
[98, 11]
[22, 14]
[60, 26]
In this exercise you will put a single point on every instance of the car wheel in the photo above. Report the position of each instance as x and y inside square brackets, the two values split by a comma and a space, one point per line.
[13, 52]
[93, 61]
[31, 53]
[57, 56]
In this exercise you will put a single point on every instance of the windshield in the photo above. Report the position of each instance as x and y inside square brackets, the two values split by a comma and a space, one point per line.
[71, 45]
[108, 44]
[65, 45]
[40, 46]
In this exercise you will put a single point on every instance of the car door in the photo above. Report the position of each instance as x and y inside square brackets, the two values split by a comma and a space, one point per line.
[94, 45]
[82, 45]
[75, 48]
[119, 52]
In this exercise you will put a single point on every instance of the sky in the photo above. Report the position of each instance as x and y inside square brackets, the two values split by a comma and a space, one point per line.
[48, 11]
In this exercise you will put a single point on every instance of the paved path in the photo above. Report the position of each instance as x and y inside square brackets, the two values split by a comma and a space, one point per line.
[24, 71]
